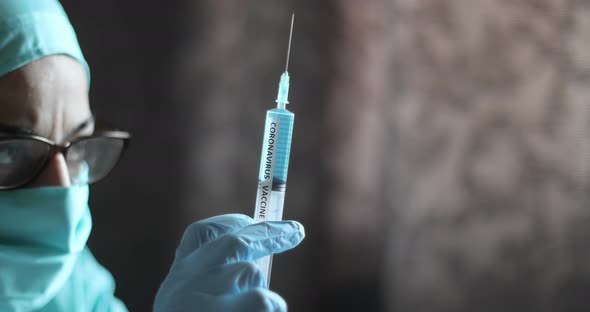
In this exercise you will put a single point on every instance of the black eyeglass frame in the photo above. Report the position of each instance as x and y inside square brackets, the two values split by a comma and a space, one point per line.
[55, 148]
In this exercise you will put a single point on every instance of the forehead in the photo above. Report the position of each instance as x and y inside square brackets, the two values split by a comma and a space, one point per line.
[48, 95]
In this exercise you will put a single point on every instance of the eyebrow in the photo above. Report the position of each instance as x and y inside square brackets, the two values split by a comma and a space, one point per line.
[89, 121]
[11, 129]
[14, 129]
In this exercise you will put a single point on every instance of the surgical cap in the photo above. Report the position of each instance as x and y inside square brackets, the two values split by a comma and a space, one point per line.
[31, 29]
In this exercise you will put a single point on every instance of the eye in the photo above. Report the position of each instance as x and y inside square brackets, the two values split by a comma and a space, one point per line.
[23, 152]
[9, 153]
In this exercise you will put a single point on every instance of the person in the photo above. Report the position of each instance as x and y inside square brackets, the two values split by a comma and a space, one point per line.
[51, 149]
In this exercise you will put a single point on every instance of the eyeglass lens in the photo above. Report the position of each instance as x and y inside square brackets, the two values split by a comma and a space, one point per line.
[20, 159]
[88, 160]
[91, 159]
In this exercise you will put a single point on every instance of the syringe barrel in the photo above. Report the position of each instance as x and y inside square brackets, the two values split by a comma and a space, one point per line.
[272, 179]
[274, 160]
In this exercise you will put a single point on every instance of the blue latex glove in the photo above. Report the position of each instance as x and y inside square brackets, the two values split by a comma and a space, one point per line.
[213, 268]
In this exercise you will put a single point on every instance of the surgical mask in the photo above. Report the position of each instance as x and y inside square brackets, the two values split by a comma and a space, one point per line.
[42, 232]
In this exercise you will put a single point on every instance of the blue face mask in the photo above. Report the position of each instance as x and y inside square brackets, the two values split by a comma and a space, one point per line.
[42, 232]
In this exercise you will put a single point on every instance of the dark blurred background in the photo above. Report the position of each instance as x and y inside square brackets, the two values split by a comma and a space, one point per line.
[440, 158]
[192, 81]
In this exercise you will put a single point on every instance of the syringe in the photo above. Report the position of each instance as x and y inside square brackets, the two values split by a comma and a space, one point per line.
[274, 160]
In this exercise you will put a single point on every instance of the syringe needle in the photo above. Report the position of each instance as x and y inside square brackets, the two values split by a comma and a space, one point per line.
[282, 96]
[289, 46]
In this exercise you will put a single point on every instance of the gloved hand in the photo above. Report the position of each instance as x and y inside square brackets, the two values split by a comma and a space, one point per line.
[213, 268]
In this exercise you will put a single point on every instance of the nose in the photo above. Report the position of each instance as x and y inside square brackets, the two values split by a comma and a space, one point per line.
[55, 173]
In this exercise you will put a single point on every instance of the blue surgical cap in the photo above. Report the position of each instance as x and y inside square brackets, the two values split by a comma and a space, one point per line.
[31, 29]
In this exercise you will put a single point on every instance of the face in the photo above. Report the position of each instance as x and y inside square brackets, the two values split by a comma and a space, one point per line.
[47, 97]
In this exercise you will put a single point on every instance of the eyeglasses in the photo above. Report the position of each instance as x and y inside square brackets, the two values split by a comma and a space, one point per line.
[89, 159]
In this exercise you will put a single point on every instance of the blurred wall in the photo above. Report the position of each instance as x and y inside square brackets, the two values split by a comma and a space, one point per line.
[490, 112]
